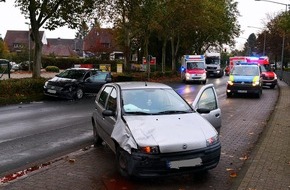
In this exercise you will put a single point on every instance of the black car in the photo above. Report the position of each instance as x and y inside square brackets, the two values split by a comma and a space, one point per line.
[73, 83]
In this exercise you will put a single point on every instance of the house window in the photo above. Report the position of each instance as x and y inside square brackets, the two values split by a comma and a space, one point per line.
[18, 46]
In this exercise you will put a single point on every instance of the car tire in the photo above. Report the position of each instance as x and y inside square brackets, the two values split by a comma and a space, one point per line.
[79, 94]
[203, 82]
[229, 95]
[122, 161]
[97, 139]
[258, 95]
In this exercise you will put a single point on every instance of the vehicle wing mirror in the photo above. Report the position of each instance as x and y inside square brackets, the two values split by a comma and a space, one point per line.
[88, 80]
[203, 110]
[108, 113]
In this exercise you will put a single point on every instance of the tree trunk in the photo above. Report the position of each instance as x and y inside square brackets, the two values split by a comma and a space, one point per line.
[163, 55]
[37, 54]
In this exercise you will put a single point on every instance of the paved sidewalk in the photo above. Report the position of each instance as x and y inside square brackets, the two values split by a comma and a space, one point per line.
[269, 165]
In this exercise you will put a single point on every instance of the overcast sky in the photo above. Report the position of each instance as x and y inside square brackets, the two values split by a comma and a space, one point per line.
[253, 13]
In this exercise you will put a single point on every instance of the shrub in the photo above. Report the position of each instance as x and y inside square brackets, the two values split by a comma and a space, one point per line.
[54, 69]
[21, 90]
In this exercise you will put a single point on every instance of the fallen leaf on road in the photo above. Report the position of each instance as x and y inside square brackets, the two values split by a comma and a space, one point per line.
[244, 158]
[72, 160]
[233, 174]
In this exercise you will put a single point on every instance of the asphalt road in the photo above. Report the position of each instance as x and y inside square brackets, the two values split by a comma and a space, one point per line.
[63, 126]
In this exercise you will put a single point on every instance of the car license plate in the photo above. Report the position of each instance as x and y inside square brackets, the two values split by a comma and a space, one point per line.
[185, 163]
[51, 91]
[268, 83]
[242, 91]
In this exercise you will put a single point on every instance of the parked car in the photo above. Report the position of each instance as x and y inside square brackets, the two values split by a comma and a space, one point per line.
[4, 63]
[245, 79]
[73, 83]
[154, 132]
[15, 66]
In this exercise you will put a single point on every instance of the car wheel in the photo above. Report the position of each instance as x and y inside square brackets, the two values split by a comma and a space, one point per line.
[229, 94]
[122, 161]
[258, 95]
[79, 94]
[97, 139]
[203, 82]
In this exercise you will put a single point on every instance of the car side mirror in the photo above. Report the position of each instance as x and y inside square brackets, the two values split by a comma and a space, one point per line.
[109, 79]
[88, 80]
[203, 110]
[108, 113]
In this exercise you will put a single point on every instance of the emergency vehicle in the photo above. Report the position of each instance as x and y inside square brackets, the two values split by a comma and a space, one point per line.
[213, 64]
[269, 76]
[193, 68]
[245, 78]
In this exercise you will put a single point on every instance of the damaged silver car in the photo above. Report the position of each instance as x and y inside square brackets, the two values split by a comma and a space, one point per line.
[154, 132]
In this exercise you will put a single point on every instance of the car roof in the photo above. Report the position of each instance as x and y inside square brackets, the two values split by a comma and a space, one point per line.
[140, 84]
[82, 68]
[246, 65]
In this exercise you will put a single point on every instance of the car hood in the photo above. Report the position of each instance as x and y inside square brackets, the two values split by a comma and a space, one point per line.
[172, 133]
[58, 81]
[269, 74]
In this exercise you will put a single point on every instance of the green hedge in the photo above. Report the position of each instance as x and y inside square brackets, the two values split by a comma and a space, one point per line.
[21, 90]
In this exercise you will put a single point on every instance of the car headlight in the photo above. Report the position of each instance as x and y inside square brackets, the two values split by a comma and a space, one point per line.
[149, 149]
[213, 140]
[256, 83]
[230, 82]
[187, 74]
[45, 84]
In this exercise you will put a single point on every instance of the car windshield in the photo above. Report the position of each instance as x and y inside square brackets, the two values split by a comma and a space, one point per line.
[195, 65]
[266, 68]
[245, 71]
[72, 74]
[212, 60]
[153, 101]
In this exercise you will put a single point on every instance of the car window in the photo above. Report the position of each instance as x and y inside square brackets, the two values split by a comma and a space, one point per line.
[112, 101]
[104, 95]
[207, 100]
[99, 77]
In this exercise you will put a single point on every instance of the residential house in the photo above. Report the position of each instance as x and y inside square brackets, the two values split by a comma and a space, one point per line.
[100, 41]
[20, 40]
[59, 47]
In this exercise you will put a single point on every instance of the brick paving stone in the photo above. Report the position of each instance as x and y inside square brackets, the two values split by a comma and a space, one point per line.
[270, 164]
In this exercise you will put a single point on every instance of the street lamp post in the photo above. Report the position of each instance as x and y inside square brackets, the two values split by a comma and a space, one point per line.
[29, 48]
[264, 46]
[283, 38]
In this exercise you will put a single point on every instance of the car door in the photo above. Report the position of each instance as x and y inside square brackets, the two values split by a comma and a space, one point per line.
[107, 102]
[206, 103]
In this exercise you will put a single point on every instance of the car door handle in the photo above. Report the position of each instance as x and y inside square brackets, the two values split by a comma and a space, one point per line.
[217, 115]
